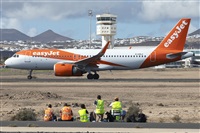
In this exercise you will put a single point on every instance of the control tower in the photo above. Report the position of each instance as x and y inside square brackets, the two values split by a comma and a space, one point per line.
[106, 27]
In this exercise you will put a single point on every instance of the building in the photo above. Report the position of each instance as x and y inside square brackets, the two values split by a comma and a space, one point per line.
[106, 27]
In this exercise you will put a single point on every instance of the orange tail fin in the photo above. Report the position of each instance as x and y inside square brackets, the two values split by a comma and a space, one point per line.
[175, 40]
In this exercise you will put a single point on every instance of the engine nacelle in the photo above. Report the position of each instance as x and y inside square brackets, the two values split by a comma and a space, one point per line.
[66, 70]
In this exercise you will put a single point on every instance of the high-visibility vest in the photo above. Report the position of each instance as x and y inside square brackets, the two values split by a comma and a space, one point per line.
[83, 115]
[66, 113]
[48, 114]
[116, 105]
[100, 107]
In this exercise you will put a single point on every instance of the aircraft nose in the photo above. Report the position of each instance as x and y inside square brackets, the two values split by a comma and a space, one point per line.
[7, 63]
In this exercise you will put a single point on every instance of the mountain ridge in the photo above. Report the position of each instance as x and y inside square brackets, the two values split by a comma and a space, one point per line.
[44, 37]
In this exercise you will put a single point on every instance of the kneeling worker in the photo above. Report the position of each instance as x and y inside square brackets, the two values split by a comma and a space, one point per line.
[83, 113]
[66, 113]
[117, 109]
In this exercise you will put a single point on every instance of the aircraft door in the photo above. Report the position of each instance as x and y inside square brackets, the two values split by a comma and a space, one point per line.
[153, 56]
[27, 57]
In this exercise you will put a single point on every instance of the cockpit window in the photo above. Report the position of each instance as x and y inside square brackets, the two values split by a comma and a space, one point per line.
[16, 55]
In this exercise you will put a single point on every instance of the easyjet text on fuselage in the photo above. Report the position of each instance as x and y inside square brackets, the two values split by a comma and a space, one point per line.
[46, 53]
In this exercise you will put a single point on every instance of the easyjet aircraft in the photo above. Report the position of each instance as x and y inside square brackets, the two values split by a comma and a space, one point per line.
[76, 62]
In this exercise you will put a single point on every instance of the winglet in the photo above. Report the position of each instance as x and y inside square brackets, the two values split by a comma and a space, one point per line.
[105, 47]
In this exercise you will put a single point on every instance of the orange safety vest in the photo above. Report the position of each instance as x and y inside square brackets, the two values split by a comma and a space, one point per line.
[48, 114]
[66, 113]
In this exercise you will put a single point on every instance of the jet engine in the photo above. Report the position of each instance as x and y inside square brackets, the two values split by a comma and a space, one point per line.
[66, 70]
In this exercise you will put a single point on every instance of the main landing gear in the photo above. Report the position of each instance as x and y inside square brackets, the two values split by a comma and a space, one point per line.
[93, 76]
[30, 73]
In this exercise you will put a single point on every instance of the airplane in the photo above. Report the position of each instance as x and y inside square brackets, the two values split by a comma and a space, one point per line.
[76, 62]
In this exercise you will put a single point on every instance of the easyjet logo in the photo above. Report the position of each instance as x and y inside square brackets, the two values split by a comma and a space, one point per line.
[46, 53]
[176, 33]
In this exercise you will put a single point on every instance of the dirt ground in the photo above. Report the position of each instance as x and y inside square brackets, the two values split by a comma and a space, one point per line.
[163, 95]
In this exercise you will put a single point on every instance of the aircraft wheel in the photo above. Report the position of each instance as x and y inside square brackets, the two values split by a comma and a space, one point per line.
[29, 77]
[90, 76]
[96, 76]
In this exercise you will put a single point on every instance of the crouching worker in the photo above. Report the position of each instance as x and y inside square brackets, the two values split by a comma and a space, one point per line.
[117, 111]
[83, 113]
[66, 113]
[48, 114]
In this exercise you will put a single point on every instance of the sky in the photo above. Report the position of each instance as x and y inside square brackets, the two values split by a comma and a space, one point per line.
[70, 17]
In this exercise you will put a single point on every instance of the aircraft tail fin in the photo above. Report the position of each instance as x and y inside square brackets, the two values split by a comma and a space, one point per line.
[175, 40]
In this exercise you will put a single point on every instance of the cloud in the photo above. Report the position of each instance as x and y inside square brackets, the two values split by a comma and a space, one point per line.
[32, 32]
[34, 13]
[127, 11]
[161, 10]
[8, 23]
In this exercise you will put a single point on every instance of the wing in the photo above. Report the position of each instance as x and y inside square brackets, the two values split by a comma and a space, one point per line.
[93, 59]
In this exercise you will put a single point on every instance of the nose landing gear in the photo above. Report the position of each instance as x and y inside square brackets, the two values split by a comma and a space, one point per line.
[30, 74]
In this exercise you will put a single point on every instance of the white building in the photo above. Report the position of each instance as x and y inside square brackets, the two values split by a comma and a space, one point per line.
[106, 27]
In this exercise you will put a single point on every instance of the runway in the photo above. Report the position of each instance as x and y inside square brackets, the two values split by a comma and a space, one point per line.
[188, 80]
[38, 126]
[101, 124]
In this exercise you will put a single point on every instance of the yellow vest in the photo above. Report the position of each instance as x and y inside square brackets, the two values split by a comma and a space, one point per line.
[116, 105]
[83, 115]
[100, 107]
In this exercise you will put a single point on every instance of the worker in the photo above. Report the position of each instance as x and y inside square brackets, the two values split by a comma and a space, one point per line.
[83, 113]
[99, 108]
[48, 113]
[66, 113]
[117, 109]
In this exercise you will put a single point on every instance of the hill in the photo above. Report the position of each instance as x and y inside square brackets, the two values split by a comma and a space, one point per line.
[13, 35]
[49, 36]
[45, 37]
[197, 32]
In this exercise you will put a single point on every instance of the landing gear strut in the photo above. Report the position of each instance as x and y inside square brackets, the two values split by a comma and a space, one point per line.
[93, 76]
[30, 73]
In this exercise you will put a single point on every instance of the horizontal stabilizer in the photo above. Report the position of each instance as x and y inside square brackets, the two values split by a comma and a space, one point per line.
[180, 54]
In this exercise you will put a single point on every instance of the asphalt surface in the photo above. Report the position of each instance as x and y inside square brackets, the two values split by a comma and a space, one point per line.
[99, 80]
[99, 124]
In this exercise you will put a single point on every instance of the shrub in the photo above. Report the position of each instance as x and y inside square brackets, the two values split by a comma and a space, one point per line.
[176, 118]
[134, 114]
[133, 110]
[24, 114]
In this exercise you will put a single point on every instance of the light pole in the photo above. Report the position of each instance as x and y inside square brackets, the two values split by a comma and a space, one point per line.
[90, 14]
